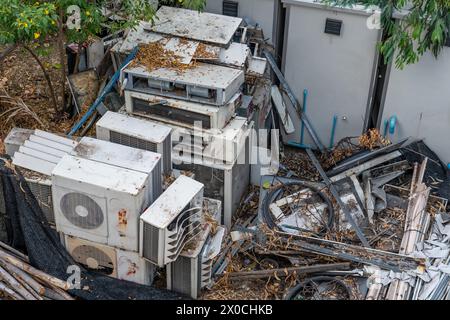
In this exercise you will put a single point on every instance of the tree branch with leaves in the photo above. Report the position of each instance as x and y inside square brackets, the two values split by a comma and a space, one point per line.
[411, 27]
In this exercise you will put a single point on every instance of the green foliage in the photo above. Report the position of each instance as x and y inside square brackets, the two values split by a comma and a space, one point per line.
[425, 26]
[24, 21]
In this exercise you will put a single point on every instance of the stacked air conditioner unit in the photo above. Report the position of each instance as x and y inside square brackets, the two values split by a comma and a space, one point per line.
[171, 221]
[99, 202]
[192, 271]
[124, 157]
[224, 168]
[120, 264]
[181, 113]
[137, 133]
[205, 83]
[36, 153]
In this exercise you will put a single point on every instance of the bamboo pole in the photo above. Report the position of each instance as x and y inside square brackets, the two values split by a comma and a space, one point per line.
[14, 251]
[25, 277]
[15, 285]
[46, 278]
[9, 292]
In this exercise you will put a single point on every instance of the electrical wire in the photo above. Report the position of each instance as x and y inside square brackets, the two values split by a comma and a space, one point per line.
[274, 194]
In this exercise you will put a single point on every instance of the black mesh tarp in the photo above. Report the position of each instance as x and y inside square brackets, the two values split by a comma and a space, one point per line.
[29, 232]
[437, 176]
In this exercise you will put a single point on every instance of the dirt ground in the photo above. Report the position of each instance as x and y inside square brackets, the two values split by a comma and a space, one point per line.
[22, 78]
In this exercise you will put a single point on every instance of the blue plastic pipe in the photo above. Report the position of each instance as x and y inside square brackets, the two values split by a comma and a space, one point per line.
[302, 130]
[101, 97]
[392, 124]
[333, 131]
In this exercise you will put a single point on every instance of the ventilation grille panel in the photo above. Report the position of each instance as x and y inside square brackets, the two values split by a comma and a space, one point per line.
[333, 26]
[157, 182]
[43, 195]
[167, 154]
[82, 211]
[230, 8]
[150, 243]
[181, 275]
[174, 114]
[129, 141]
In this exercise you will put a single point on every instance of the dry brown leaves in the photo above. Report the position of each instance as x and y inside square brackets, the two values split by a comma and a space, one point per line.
[154, 56]
[372, 139]
[202, 52]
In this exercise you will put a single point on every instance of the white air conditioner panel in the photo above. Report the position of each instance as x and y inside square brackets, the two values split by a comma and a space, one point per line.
[138, 128]
[117, 198]
[117, 155]
[132, 267]
[92, 255]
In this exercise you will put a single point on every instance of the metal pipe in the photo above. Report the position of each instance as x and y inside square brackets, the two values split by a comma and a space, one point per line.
[101, 97]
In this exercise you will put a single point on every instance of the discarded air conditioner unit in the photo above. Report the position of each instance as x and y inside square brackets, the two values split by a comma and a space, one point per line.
[181, 113]
[99, 202]
[223, 180]
[110, 261]
[37, 153]
[206, 83]
[124, 157]
[137, 133]
[171, 221]
[192, 271]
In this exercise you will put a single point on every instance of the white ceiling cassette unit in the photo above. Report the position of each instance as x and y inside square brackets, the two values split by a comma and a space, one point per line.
[171, 221]
[204, 83]
[194, 25]
[137, 133]
[192, 271]
[124, 157]
[116, 263]
[99, 202]
[181, 113]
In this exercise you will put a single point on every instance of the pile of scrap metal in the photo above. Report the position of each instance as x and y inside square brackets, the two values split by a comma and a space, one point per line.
[369, 228]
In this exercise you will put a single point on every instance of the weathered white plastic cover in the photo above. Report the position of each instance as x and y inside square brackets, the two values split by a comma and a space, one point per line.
[191, 24]
[116, 155]
[138, 128]
[203, 75]
[100, 174]
[167, 207]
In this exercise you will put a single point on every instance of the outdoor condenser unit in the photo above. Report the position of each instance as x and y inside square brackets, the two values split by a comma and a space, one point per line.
[137, 133]
[205, 83]
[37, 152]
[171, 221]
[99, 202]
[116, 263]
[192, 271]
[125, 157]
[223, 181]
[181, 113]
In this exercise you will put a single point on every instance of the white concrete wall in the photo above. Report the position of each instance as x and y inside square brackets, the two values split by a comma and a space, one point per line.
[336, 70]
[259, 11]
[419, 95]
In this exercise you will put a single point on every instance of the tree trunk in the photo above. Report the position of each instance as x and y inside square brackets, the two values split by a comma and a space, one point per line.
[7, 52]
[47, 77]
[62, 57]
